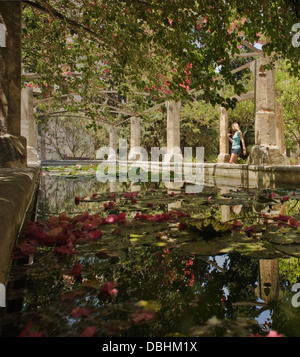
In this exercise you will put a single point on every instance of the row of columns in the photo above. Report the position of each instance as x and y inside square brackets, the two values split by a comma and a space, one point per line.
[269, 143]
[173, 129]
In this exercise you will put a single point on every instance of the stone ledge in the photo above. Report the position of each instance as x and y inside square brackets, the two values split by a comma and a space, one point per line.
[264, 176]
[17, 187]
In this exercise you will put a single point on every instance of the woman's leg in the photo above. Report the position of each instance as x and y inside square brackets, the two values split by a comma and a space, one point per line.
[233, 159]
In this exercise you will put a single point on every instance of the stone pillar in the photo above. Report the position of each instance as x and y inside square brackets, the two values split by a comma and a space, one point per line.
[28, 124]
[113, 141]
[173, 159]
[12, 145]
[135, 137]
[279, 127]
[268, 287]
[173, 124]
[265, 150]
[224, 155]
[42, 141]
[225, 209]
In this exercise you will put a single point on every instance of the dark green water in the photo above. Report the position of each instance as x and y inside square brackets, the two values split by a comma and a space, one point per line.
[141, 260]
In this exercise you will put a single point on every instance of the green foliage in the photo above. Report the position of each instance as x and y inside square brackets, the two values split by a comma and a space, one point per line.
[124, 57]
[80, 46]
[288, 90]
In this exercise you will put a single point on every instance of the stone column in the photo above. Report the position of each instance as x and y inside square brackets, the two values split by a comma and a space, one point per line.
[174, 155]
[135, 137]
[113, 141]
[268, 287]
[173, 124]
[279, 127]
[224, 155]
[12, 145]
[28, 124]
[265, 150]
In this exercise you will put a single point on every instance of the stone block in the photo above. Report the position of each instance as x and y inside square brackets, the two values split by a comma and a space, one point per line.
[17, 187]
[265, 128]
[266, 155]
[223, 158]
[13, 151]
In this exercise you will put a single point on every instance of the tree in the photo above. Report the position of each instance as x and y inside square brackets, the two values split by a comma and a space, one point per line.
[167, 49]
[110, 60]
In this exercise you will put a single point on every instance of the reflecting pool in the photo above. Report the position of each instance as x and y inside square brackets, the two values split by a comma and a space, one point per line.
[148, 259]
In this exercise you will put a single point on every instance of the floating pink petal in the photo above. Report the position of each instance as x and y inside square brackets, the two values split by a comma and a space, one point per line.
[89, 331]
[79, 312]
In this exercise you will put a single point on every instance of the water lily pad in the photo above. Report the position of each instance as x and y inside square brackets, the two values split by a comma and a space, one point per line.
[256, 249]
[149, 305]
[289, 238]
[212, 247]
[208, 227]
[289, 249]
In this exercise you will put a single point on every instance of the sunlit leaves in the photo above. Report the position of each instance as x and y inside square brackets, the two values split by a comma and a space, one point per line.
[140, 39]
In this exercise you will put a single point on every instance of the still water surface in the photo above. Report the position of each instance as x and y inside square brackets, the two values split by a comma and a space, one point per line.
[148, 260]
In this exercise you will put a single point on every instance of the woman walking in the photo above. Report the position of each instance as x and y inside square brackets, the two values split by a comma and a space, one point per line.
[236, 140]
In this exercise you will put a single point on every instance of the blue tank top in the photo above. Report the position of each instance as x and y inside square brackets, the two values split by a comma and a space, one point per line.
[236, 140]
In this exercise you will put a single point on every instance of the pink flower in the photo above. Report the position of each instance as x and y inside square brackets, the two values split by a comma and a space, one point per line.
[274, 334]
[111, 218]
[142, 217]
[121, 217]
[270, 334]
[29, 85]
[237, 225]
[95, 235]
[170, 21]
[142, 315]
[67, 249]
[76, 270]
[26, 332]
[181, 226]
[250, 229]
[87, 227]
[108, 205]
[108, 291]
[89, 331]
[80, 312]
